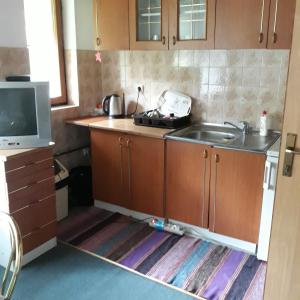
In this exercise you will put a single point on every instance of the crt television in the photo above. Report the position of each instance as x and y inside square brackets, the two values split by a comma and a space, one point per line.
[24, 115]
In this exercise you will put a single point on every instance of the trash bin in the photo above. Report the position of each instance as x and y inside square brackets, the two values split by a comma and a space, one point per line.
[80, 187]
[61, 186]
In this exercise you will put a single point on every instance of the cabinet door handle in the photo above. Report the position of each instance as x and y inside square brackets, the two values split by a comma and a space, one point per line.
[217, 160]
[163, 40]
[121, 158]
[129, 165]
[275, 23]
[261, 34]
[98, 41]
[205, 155]
[174, 40]
[267, 179]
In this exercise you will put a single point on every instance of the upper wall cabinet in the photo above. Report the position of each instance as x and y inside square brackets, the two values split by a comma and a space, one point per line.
[191, 24]
[242, 24]
[281, 24]
[148, 24]
[111, 24]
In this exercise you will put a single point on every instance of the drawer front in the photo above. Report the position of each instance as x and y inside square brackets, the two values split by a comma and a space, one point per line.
[36, 215]
[31, 194]
[28, 158]
[17, 174]
[32, 179]
[39, 236]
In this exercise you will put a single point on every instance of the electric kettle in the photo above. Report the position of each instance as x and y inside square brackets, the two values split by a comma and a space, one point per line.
[113, 106]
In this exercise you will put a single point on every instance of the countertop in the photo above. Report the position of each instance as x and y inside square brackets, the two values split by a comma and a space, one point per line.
[8, 154]
[274, 149]
[86, 121]
[127, 126]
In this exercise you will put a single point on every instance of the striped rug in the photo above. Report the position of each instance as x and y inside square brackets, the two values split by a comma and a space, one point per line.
[197, 266]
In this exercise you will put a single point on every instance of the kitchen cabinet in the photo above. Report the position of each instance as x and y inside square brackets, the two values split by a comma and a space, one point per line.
[191, 24]
[187, 182]
[236, 188]
[108, 167]
[281, 24]
[111, 24]
[146, 173]
[242, 24]
[219, 189]
[171, 24]
[128, 170]
[148, 22]
[28, 195]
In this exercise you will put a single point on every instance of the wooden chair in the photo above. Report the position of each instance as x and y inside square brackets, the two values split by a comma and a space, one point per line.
[15, 258]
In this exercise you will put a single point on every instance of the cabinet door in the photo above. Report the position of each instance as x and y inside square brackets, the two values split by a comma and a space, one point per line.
[242, 24]
[281, 24]
[236, 193]
[148, 24]
[187, 182]
[111, 24]
[191, 24]
[108, 167]
[146, 174]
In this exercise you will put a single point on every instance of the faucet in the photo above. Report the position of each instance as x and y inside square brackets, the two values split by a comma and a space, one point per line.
[244, 129]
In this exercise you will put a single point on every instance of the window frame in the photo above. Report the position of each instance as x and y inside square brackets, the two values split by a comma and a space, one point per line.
[58, 30]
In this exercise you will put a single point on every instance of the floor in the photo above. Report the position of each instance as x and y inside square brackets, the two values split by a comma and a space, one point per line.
[198, 267]
[69, 274]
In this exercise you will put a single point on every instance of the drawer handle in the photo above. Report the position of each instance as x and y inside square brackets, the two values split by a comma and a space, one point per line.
[174, 40]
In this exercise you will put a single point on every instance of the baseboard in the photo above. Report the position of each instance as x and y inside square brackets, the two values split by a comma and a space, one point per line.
[30, 256]
[189, 229]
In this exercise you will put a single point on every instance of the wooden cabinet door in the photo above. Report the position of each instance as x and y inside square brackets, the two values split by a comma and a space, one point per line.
[146, 174]
[187, 182]
[108, 167]
[148, 23]
[236, 193]
[281, 24]
[242, 24]
[111, 24]
[192, 24]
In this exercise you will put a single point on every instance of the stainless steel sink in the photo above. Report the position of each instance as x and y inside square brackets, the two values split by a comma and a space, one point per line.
[224, 137]
[210, 136]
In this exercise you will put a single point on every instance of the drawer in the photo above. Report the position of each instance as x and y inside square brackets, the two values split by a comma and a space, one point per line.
[36, 215]
[39, 236]
[28, 170]
[34, 178]
[28, 158]
[31, 194]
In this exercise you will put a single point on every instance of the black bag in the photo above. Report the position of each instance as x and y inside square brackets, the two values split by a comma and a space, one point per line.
[80, 187]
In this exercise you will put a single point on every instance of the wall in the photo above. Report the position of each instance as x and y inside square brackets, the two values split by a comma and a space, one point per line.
[14, 59]
[225, 85]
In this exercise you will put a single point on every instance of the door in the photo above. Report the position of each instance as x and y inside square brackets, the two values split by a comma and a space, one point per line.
[281, 24]
[187, 182]
[111, 24]
[108, 167]
[148, 21]
[236, 193]
[283, 271]
[146, 174]
[242, 24]
[191, 24]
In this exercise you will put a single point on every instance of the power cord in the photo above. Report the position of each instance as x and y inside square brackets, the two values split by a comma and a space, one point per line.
[137, 102]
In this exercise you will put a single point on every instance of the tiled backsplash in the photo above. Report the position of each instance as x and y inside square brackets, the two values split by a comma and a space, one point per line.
[227, 85]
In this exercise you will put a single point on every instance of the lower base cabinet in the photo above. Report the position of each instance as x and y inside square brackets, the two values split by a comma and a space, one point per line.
[128, 170]
[219, 189]
[236, 190]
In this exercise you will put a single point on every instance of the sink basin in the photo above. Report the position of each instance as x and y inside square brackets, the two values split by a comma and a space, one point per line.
[210, 136]
[224, 137]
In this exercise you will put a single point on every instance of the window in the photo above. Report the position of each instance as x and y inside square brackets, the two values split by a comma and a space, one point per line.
[45, 43]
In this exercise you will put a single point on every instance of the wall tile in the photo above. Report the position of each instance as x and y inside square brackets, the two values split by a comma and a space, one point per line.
[224, 84]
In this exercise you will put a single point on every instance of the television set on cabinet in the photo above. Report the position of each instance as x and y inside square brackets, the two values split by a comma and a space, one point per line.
[24, 115]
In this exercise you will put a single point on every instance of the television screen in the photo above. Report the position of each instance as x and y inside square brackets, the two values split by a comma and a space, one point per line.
[18, 112]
